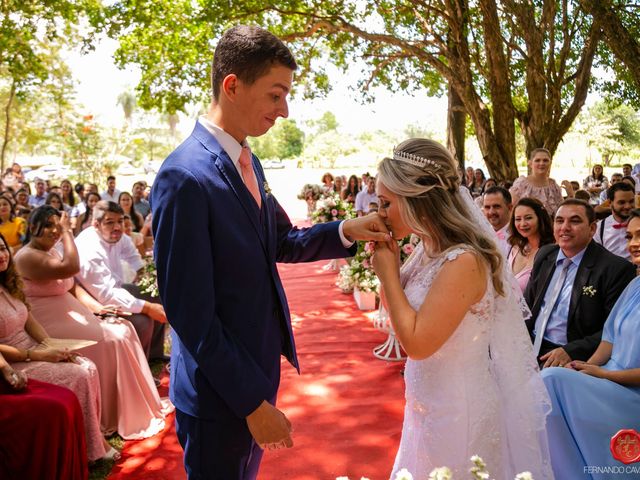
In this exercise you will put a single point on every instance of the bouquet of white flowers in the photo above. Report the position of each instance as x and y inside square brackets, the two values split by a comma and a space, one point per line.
[332, 208]
[359, 271]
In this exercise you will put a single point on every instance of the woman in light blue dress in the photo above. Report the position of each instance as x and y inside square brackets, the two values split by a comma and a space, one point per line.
[593, 400]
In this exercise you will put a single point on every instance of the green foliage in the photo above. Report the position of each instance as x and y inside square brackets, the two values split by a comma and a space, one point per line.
[284, 140]
[611, 128]
[326, 149]
[31, 34]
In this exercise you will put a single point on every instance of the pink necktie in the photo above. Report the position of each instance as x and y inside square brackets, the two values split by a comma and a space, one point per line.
[249, 175]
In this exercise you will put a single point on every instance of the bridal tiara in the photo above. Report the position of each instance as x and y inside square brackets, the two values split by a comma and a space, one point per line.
[413, 159]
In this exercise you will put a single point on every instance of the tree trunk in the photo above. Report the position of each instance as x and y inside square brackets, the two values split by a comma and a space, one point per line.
[7, 125]
[456, 122]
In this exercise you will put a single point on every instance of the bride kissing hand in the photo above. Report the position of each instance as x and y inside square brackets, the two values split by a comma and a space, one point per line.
[386, 260]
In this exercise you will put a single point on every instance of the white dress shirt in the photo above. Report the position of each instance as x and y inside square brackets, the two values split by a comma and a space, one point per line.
[613, 239]
[364, 198]
[502, 240]
[111, 198]
[233, 149]
[101, 272]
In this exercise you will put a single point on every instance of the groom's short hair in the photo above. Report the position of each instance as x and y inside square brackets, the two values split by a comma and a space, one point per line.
[249, 53]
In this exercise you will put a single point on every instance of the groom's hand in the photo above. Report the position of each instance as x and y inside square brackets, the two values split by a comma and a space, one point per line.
[368, 228]
[269, 426]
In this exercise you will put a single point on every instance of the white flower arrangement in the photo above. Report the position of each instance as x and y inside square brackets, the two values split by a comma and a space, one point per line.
[148, 281]
[359, 271]
[332, 208]
[478, 472]
[589, 291]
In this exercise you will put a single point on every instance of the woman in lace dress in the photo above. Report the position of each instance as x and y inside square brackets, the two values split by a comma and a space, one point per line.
[472, 385]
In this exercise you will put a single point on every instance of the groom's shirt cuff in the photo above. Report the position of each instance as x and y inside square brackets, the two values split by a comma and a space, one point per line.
[346, 243]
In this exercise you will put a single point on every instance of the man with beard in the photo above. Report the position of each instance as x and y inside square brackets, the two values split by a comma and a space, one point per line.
[496, 205]
[611, 231]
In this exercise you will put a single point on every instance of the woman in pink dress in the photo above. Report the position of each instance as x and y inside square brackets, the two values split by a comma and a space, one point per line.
[130, 401]
[530, 228]
[538, 184]
[21, 344]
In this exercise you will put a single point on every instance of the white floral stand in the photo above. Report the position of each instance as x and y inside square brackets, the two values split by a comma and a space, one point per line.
[390, 350]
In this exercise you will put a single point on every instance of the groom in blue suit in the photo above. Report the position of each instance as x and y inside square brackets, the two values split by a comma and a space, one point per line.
[218, 235]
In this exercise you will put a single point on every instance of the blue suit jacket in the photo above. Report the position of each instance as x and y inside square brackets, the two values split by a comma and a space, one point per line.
[216, 255]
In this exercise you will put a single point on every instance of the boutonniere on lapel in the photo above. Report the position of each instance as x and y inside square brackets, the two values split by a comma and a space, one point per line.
[267, 188]
[589, 291]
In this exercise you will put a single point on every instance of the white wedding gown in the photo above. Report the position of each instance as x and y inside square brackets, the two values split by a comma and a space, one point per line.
[453, 398]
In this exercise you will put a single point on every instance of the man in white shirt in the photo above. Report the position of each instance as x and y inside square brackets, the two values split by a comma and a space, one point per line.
[102, 249]
[366, 197]
[611, 231]
[112, 194]
[496, 205]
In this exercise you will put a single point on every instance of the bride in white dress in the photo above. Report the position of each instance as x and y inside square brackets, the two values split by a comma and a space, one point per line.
[472, 382]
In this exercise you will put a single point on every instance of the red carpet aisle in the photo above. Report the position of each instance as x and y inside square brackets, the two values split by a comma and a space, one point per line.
[346, 406]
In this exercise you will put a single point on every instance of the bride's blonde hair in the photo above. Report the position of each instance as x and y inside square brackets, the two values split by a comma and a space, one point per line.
[424, 176]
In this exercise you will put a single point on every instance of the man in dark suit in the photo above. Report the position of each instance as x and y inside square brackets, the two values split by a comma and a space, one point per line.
[573, 287]
[218, 235]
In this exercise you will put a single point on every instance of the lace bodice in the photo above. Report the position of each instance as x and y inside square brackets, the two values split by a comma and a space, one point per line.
[465, 353]
[13, 316]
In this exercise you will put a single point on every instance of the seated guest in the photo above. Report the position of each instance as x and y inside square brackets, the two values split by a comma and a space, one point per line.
[573, 287]
[86, 219]
[582, 195]
[595, 183]
[611, 231]
[55, 200]
[327, 183]
[477, 185]
[68, 198]
[12, 227]
[591, 401]
[373, 208]
[22, 198]
[487, 185]
[111, 194]
[530, 228]
[615, 178]
[136, 237]
[40, 196]
[496, 205]
[101, 248]
[140, 204]
[633, 172]
[366, 196]
[22, 345]
[351, 191]
[33, 445]
[125, 200]
[130, 402]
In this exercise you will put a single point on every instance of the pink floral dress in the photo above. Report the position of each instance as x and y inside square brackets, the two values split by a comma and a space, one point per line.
[81, 377]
